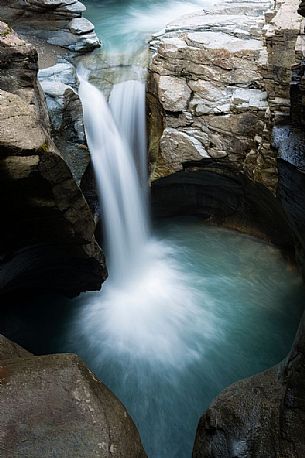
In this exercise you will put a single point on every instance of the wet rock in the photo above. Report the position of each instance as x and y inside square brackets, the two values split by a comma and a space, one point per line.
[10, 350]
[53, 405]
[243, 420]
[60, 86]
[291, 192]
[74, 42]
[260, 416]
[79, 26]
[57, 23]
[217, 192]
[47, 230]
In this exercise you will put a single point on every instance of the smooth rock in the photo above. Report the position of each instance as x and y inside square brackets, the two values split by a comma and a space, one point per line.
[63, 72]
[80, 26]
[54, 406]
[217, 192]
[10, 350]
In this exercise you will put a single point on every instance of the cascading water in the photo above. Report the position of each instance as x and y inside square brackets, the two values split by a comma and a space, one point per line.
[145, 299]
[177, 321]
[117, 178]
[147, 321]
[172, 326]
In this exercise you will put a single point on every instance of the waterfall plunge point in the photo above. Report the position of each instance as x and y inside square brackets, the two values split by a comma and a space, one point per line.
[146, 310]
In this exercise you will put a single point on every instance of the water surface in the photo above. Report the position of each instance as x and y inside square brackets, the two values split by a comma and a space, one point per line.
[243, 303]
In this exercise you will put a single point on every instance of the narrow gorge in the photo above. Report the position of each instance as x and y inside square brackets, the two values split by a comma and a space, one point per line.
[152, 257]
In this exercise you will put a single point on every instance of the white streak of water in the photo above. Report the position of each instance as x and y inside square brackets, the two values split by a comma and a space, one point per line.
[147, 309]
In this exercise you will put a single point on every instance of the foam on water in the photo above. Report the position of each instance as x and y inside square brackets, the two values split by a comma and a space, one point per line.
[147, 304]
[156, 316]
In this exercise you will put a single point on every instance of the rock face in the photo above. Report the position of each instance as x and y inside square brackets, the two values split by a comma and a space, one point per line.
[60, 87]
[260, 416]
[10, 350]
[47, 230]
[59, 22]
[264, 415]
[219, 86]
[54, 406]
[215, 191]
[215, 59]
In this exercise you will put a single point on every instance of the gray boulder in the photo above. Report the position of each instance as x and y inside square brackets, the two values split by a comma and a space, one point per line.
[54, 406]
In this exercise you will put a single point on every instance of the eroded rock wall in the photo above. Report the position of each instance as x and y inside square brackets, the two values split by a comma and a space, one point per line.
[262, 416]
[222, 79]
[47, 230]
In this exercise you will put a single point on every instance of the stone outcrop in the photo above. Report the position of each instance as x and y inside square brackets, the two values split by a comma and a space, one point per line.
[54, 406]
[60, 86]
[282, 38]
[10, 350]
[262, 416]
[242, 106]
[207, 74]
[47, 230]
[60, 34]
[220, 79]
[58, 23]
[286, 41]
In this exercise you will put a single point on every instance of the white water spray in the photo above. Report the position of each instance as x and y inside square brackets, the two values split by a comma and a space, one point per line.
[146, 308]
[117, 181]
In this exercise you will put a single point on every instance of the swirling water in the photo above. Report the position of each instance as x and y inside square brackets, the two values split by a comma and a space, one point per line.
[127, 24]
[230, 310]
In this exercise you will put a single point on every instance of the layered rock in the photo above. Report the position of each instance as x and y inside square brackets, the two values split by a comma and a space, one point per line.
[47, 230]
[207, 74]
[58, 22]
[220, 79]
[54, 406]
[282, 32]
[286, 41]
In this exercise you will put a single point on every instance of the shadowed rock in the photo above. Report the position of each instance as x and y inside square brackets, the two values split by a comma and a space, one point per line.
[47, 230]
[262, 416]
[220, 194]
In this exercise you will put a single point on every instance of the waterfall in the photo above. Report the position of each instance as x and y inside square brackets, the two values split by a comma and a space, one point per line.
[144, 331]
[117, 143]
[127, 103]
[146, 305]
